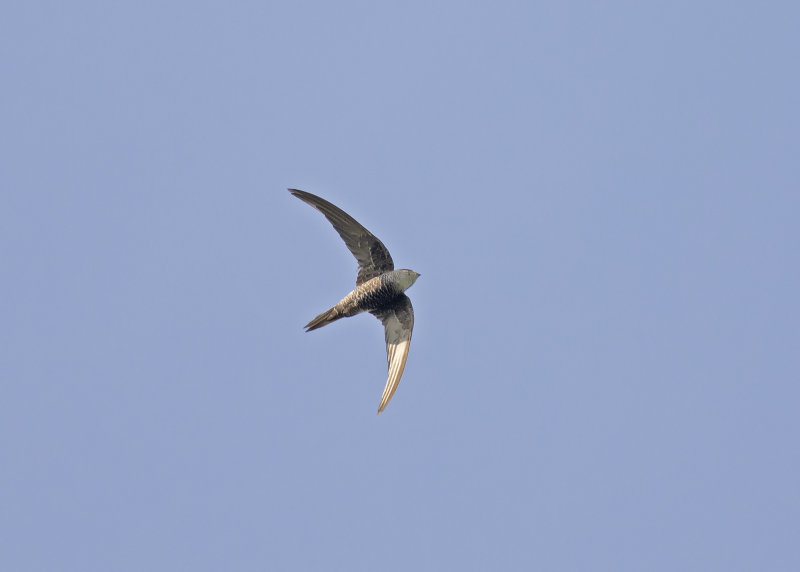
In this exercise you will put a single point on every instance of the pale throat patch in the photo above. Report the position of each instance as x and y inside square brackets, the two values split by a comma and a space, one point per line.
[405, 279]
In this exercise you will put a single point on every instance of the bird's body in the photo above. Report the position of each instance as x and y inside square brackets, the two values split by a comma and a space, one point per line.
[370, 296]
[379, 289]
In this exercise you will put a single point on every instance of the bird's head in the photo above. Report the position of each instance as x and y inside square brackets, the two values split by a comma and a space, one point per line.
[405, 278]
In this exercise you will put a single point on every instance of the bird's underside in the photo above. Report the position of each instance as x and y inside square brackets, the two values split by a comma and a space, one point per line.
[379, 290]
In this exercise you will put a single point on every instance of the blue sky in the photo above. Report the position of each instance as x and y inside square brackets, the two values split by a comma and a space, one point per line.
[602, 200]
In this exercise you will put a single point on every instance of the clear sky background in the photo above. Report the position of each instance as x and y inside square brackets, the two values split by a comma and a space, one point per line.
[602, 199]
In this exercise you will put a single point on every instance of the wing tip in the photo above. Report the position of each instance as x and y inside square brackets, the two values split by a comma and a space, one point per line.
[388, 393]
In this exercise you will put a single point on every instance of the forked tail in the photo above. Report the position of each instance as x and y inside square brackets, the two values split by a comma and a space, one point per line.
[324, 319]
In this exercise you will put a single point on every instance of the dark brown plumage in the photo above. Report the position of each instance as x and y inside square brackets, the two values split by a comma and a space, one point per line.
[379, 289]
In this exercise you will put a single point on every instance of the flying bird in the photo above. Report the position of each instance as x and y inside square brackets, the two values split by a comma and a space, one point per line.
[379, 289]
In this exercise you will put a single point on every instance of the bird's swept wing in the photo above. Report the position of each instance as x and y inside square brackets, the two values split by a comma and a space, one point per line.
[373, 257]
[398, 321]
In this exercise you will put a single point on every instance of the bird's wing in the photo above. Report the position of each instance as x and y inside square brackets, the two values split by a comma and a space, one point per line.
[373, 258]
[398, 321]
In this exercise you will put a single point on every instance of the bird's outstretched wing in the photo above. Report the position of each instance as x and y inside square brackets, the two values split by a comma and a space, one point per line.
[373, 258]
[398, 321]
